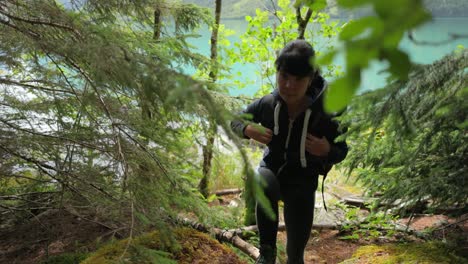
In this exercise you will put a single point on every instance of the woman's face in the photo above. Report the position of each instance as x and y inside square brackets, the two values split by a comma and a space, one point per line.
[292, 88]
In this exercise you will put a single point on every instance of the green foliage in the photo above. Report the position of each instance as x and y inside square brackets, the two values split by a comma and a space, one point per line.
[416, 145]
[373, 37]
[238, 9]
[371, 226]
[233, 9]
[266, 35]
[95, 112]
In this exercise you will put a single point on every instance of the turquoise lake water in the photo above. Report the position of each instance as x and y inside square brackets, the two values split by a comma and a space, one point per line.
[435, 31]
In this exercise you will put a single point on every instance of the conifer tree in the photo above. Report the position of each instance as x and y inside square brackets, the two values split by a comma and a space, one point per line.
[417, 148]
[94, 109]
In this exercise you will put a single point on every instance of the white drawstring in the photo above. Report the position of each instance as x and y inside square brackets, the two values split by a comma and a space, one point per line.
[303, 138]
[276, 118]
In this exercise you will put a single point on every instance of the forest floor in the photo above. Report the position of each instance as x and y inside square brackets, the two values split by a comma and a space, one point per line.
[327, 246]
[59, 232]
[330, 246]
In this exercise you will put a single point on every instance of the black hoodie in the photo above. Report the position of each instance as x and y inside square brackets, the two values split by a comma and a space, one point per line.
[285, 147]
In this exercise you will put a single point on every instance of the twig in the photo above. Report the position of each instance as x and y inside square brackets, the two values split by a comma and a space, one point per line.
[40, 22]
[34, 87]
[92, 221]
[158, 162]
[83, 144]
[28, 33]
[275, 13]
[42, 166]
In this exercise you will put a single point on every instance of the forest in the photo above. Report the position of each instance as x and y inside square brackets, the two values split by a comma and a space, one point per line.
[238, 9]
[111, 152]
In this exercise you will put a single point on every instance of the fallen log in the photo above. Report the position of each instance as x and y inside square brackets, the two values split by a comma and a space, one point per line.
[235, 236]
[360, 202]
[224, 236]
[228, 191]
[244, 232]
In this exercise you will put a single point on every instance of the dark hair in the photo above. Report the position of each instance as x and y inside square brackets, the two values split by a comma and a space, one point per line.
[295, 58]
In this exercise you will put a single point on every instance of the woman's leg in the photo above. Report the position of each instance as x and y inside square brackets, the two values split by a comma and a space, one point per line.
[299, 202]
[267, 227]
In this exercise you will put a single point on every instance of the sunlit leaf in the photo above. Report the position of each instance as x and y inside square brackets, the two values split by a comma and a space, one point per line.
[357, 27]
[316, 5]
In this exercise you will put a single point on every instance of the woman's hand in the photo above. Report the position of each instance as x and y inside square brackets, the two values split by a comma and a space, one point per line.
[317, 146]
[259, 133]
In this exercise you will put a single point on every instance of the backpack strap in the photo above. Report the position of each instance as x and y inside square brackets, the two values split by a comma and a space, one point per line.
[323, 194]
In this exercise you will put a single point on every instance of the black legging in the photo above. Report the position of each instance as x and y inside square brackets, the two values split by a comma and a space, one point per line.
[298, 195]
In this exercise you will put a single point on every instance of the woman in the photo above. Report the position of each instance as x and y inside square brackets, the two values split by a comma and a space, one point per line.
[300, 145]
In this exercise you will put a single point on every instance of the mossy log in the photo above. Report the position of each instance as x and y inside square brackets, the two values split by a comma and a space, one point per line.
[224, 236]
[183, 246]
[236, 236]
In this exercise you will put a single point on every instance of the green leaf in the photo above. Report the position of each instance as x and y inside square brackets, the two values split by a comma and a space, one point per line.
[357, 27]
[327, 58]
[339, 94]
[359, 56]
[316, 5]
[211, 198]
[392, 39]
[400, 63]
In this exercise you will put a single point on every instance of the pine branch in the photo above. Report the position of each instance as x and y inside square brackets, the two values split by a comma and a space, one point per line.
[64, 139]
[33, 87]
[43, 166]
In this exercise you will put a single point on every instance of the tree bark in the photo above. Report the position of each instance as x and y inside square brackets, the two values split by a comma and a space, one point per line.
[210, 137]
[214, 42]
[157, 24]
[302, 22]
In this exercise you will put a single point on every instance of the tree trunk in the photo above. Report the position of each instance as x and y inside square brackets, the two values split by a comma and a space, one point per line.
[302, 22]
[210, 137]
[207, 157]
[157, 24]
